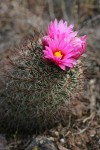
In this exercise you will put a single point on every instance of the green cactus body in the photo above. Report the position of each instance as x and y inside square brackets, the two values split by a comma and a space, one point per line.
[37, 93]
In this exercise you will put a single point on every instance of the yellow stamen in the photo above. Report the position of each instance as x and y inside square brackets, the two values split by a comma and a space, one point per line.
[58, 54]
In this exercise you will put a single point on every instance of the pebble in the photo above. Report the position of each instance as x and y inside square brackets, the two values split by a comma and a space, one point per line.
[92, 81]
[92, 133]
[62, 141]
[56, 133]
[41, 141]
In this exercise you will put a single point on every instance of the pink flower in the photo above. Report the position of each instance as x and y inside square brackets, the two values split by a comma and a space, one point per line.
[79, 46]
[55, 29]
[59, 52]
[61, 44]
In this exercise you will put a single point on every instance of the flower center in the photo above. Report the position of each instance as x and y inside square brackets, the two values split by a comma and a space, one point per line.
[58, 54]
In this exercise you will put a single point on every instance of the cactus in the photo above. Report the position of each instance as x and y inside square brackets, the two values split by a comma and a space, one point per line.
[37, 93]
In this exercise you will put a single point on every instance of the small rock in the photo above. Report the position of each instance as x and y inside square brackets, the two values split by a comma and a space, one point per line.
[62, 141]
[56, 133]
[41, 142]
[92, 81]
[92, 133]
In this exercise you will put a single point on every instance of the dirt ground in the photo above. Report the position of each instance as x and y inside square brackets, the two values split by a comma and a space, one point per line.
[19, 19]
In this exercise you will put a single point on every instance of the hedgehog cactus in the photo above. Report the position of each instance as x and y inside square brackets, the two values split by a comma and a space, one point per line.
[41, 83]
